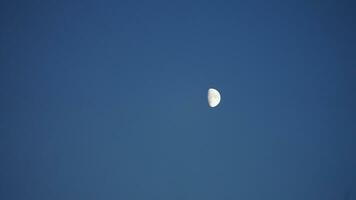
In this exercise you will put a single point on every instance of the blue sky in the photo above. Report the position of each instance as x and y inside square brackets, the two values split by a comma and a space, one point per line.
[107, 100]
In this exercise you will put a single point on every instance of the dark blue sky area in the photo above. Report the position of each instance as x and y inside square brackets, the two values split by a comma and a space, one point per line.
[107, 100]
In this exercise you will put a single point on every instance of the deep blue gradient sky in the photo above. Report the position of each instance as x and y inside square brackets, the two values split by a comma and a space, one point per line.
[107, 100]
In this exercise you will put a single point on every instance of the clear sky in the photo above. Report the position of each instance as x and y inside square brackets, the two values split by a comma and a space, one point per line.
[107, 100]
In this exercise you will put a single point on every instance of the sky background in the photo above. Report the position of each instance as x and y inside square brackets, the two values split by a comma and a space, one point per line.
[107, 100]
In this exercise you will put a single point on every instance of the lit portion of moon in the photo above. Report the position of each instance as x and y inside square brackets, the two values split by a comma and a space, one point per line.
[214, 97]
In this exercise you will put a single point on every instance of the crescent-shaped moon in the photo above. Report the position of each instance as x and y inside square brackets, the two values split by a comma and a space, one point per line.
[214, 97]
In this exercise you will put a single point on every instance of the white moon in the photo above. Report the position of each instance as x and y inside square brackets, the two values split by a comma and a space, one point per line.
[213, 97]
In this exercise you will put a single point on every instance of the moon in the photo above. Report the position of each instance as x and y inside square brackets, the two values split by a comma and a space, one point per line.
[214, 97]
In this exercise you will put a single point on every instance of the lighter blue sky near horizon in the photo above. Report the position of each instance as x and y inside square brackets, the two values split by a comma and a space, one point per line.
[107, 100]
